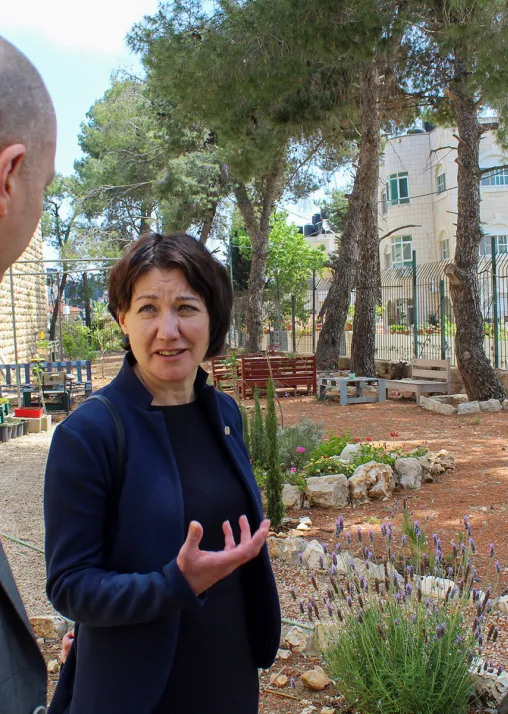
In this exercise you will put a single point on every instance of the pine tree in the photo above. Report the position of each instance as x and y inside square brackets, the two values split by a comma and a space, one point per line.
[275, 508]
[257, 432]
[245, 424]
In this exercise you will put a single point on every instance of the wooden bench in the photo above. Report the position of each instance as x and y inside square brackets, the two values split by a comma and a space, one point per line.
[423, 372]
[79, 375]
[288, 373]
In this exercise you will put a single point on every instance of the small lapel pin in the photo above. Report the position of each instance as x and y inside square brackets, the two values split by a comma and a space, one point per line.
[227, 430]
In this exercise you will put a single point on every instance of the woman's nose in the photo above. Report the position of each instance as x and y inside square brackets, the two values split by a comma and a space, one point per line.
[168, 326]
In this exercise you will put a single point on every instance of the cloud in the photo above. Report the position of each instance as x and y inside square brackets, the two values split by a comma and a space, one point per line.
[96, 25]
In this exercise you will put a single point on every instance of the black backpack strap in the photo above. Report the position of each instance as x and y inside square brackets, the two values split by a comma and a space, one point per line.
[121, 456]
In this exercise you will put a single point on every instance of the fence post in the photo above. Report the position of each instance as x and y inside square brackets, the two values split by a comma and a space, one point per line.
[313, 312]
[494, 297]
[415, 306]
[293, 320]
[442, 318]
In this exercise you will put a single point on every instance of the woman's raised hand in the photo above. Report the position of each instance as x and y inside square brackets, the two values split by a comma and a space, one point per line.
[203, 568]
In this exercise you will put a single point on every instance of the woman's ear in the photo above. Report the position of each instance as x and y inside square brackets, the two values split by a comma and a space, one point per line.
[121, 322]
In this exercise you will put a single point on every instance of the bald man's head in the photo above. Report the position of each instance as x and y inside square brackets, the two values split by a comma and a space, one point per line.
[27, 150]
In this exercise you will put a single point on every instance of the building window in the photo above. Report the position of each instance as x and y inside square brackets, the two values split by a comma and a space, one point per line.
[445, 249]
[496, 177]
[441, 183]
[397, 189]
[384, 203]
[402, 251]
[388, 261]
[486, 245]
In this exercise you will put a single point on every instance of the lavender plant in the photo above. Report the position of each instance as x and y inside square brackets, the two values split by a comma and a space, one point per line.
[403, 640]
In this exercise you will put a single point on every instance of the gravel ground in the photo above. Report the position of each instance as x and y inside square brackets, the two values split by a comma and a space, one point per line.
[22, 463]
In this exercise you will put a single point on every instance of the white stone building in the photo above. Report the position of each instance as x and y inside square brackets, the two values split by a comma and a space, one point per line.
[418, 188]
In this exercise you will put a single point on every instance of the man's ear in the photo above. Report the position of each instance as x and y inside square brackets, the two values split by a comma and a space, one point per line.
[10, 163]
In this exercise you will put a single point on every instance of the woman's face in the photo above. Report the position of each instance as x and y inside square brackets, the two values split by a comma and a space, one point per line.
[168, 326]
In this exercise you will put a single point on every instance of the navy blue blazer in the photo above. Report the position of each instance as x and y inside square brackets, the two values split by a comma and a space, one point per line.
[124, 588]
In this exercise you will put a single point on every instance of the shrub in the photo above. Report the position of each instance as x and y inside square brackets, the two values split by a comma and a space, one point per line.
[257, 432]
[275, 507]
[333, 446]
[325, 465]
[307, 434]
[76, 340]
[245, 426]
[391, 648]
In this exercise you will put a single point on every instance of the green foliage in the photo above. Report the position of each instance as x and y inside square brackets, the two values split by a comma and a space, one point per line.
[307, 434]
[274, 483]
[289, 265]
[257, 433]
[245, 426]
[391, 660]
[324, 465]
[76, 340]
[333, 446]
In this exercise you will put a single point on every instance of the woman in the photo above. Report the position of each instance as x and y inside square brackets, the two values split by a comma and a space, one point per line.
[175, 600]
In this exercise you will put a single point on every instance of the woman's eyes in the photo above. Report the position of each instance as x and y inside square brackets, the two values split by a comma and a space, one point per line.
[181, 308]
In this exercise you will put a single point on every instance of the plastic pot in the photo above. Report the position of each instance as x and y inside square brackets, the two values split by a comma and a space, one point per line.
[5, 433]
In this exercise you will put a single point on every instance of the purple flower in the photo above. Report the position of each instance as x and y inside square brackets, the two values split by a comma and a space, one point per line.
[325, 548]
[348, 537]
[383, 530]
[459, 640]
[499, 670]
[413, 618]
[321, 562]
[359, 533]
[491, 550]
[497, 565]
[350, 601]
[293, 469]
[292, 682]
[302, 609]
[450, 572]
[472, 545]
[454, 546]
[404, 541]
[371, 535]
[334, 559]
[301, 449]
[300, 558]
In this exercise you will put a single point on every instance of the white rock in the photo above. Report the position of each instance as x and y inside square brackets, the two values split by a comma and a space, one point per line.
[302, 527]
[292, 549]
[279, 680]
[446, 409]
[327, 710]
[491, 405]
[53, 666]
[308, 710]
[408, 473]
[371, 480]
[275, 546]
[312, 556]
[502, 604]
[306, 503]
[427, 403]
[469, 408]
[436, 587]
[305, 519]
[291, 495]
[321, 637]
[51, 627]
[505, 405]
[296, 638]
[349, 451]
[283, 654]
[328, 491]
[435, 463]
[490, 688]
[315, 679]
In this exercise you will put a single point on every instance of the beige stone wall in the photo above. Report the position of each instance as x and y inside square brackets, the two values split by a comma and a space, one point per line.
[30, 303]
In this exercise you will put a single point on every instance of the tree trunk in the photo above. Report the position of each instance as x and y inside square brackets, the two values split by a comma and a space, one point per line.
[257, 223]
[336, 305]
[363, 348]
[56, 307]
[208, 223]
[477, 372]
[88, 309]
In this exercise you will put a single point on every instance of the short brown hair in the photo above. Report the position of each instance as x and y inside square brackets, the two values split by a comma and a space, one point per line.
[204, 273]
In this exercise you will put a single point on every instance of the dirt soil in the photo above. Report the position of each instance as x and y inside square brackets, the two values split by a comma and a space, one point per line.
[478, 488]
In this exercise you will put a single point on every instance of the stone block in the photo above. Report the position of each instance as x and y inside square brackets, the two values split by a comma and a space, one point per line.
[291, 495]
[371, 480]
[408, 473]
[329, 491]
[469, 408]
[491, 405]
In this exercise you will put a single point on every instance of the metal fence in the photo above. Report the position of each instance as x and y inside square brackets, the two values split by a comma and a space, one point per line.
[414, 316]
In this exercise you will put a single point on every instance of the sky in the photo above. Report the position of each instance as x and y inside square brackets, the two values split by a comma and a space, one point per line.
[76, 47]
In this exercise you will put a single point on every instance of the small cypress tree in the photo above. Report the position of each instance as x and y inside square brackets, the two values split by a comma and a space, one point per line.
[275, 506]
[257, 432]
[245, 425]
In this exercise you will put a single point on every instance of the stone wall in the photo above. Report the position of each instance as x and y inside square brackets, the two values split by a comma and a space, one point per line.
[30, 304]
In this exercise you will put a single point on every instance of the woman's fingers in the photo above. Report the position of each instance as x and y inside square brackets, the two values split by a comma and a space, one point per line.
[194, 536]
[229, 538]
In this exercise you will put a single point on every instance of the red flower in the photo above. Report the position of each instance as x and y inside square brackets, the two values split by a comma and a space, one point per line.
[394, 433]
[368, 439]
[357, 440]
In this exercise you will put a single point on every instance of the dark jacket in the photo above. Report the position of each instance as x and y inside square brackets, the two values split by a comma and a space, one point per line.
[22, 667]
[124, 588]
